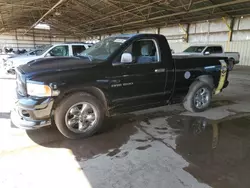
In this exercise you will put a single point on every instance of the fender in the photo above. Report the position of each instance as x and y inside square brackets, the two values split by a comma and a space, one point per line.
[207, 79]
[95, 91]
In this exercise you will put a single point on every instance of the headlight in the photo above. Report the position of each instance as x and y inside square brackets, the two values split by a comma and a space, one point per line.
[38, 90]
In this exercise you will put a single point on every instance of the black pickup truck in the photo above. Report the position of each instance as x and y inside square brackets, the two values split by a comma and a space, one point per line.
[119, 74]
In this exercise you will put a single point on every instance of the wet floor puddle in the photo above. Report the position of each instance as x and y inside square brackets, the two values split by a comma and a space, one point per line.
[218, 103]
[218, 151]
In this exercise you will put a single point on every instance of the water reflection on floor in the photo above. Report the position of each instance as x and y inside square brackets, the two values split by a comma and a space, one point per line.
[218, 153]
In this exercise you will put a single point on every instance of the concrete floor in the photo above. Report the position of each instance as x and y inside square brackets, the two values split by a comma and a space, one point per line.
[162, 147]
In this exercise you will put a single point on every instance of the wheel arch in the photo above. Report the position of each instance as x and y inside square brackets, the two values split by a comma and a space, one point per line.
[208, 79]
[92, 90]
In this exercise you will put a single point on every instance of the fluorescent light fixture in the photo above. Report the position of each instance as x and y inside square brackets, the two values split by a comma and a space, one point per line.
[42, 26]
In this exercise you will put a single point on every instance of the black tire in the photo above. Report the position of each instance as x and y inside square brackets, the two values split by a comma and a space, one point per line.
[189, 102]
[64, 106]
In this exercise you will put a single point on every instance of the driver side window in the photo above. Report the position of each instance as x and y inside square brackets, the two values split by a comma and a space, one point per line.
[142, 51]
[210, 50]
[59, 51]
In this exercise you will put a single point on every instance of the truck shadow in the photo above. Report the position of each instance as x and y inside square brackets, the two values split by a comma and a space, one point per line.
[112, 136]
[116, 132]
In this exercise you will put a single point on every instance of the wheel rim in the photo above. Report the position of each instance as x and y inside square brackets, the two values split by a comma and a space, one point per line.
[201, 98]
[81, 117]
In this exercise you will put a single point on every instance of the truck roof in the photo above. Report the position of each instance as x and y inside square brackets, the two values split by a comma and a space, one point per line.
[76, 43]
[132, 35]
[209, 45]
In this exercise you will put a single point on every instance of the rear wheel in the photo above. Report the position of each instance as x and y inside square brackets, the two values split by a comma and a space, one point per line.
[80, 115]
[198, 98]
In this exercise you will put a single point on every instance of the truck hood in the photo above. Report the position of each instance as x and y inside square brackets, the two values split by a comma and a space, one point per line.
[20, 60]
[53, 64]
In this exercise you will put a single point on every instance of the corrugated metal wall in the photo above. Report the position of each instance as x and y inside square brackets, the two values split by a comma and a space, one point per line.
[216, 32]
[17, 40]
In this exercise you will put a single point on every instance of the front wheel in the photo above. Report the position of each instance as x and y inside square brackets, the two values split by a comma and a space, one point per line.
[78, 116]
[198, 98]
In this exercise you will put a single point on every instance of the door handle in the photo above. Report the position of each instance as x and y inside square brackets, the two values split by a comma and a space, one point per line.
[160, 70]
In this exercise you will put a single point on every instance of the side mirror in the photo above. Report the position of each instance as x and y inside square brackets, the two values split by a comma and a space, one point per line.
[207, 53]
[126, 58]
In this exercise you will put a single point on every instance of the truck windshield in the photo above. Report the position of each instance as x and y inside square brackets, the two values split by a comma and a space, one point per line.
[194, 49]
[103, 49]
[43, 49]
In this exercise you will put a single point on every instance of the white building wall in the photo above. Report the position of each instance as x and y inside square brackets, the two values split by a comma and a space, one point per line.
[149, 31]
[17, 40]
[173, 34]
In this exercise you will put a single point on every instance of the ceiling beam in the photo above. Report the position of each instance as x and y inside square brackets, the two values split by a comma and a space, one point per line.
[145, 6]
[24, 6]
[213, 3]
[91, 9]
[47, 13]
[190, 4]
[188, 20]
[176, 14]
[122, 9]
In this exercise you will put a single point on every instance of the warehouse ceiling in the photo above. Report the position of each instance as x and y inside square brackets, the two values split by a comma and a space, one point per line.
[86, 18]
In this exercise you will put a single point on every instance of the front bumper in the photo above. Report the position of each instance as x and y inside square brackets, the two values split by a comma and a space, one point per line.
[30, 113]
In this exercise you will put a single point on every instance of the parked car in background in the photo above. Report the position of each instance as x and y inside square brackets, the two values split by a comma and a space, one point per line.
[62, 50]
[213, 50]
[29, 53]
[119, 74]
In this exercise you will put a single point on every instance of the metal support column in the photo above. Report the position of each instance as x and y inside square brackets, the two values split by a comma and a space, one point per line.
[34, 41]
[16, 40]
[230, 28]
[186, 31]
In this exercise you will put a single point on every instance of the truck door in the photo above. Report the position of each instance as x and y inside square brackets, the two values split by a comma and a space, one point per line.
[214, 50]
[77, 49]
[143, 79]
